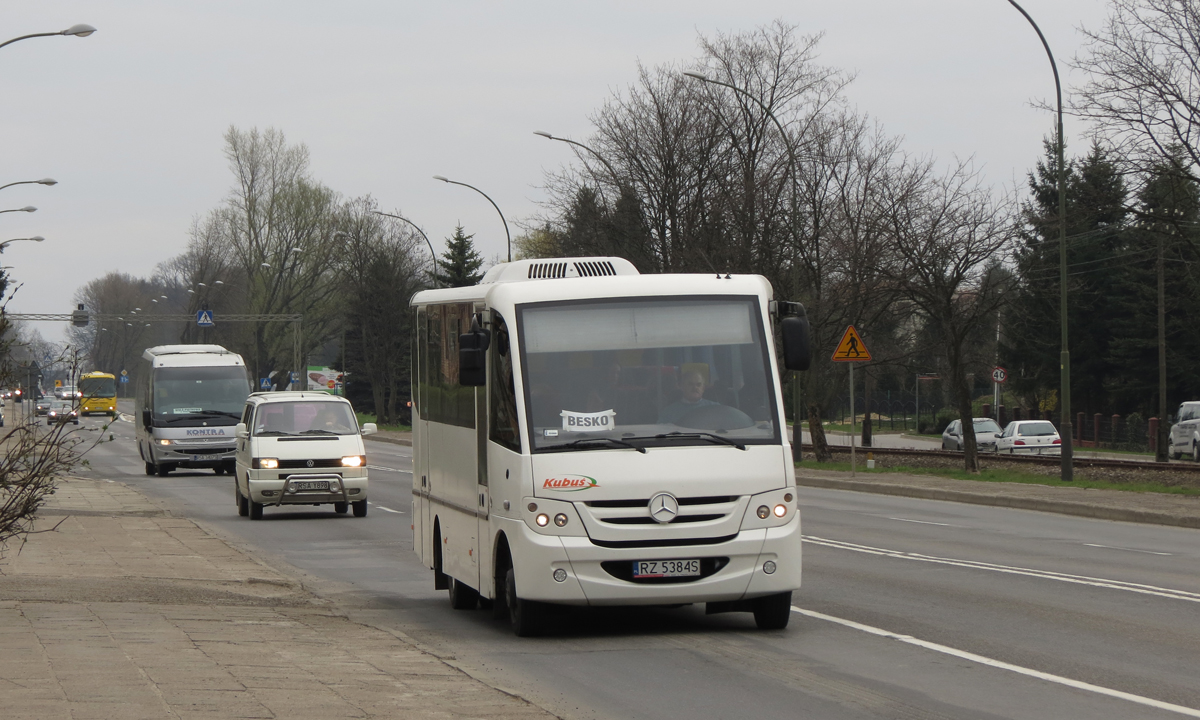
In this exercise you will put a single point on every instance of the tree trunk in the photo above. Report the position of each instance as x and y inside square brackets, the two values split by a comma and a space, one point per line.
[817, 432]
[962, 394]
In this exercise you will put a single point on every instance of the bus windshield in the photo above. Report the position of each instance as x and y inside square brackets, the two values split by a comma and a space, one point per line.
[647, 372]
[98, 387]
[189, 395]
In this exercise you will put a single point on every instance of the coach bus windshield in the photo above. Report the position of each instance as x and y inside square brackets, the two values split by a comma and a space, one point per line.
[185, 396]
[647, 372]
[98, 387]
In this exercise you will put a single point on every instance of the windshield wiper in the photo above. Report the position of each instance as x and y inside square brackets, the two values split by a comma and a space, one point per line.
[273, 432]
[189, 416]
[696, 435]
[226, 413]
[318, 432]
[584, 444]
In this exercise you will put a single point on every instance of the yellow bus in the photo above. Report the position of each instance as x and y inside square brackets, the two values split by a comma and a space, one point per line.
[98, 393]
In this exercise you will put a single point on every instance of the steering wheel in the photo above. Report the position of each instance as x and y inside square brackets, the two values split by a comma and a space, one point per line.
[716, 418]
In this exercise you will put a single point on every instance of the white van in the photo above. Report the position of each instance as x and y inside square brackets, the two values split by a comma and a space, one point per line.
[300, 448]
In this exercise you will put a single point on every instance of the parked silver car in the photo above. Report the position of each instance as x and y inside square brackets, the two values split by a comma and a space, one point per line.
[986, 432]
[1185, 433]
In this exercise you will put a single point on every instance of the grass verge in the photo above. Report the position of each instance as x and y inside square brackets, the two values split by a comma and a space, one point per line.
[369, 418]
[1008, 476]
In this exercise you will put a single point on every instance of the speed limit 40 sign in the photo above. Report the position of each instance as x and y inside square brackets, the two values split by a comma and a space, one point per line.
[999, 374]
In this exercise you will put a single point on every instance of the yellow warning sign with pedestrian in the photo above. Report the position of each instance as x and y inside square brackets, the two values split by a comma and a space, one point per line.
[851, 348]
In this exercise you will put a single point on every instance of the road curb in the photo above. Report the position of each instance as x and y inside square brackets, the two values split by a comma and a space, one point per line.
[1060, 507]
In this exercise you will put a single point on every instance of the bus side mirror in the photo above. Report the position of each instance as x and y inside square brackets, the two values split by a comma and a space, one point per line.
[146, 418]
[240, 431]
[472, 357]
[797, 355]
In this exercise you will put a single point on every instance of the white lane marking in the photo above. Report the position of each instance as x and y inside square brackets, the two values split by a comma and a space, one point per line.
[922, 522]
[1113, 547]
[380, 507]
[1012, 570]
[388, 469]
[1078, 685]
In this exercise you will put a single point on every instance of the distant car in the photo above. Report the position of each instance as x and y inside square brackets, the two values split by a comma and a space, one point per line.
[62, 412]
[1185, 433]
[1030, 437]
[986, 432]
[67, 392]
[43, 404]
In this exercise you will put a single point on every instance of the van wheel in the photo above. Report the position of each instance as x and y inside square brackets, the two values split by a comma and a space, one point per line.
[256, 510]
[462, 597]
[1195, 451]
[360, 508]
[163, 470]
[525, 616]
[243, 503]
[340, 507]
[150, 469]
[773, 611]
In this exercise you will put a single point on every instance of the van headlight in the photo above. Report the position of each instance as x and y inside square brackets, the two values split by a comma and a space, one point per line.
[354, 461]
[265, 463]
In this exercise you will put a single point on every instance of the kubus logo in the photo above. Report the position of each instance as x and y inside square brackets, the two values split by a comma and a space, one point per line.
[570, 483]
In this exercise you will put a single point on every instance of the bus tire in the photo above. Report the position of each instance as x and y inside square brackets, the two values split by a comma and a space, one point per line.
[256, 510]
[360, 508]
[773, 611]
[150, 470]
[462, 597]
[163, 469]
[243, 503]
[341, 508]
[525, 616]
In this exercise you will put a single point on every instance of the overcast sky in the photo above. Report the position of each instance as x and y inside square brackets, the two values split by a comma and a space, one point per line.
[388, 93]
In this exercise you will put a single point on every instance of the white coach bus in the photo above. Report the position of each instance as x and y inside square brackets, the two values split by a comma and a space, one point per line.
[189, 398]
[586, 435]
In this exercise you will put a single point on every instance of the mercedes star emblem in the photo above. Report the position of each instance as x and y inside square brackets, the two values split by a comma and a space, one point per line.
[664, 508]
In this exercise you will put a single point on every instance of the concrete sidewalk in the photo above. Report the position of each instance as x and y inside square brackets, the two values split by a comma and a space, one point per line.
[125, 612]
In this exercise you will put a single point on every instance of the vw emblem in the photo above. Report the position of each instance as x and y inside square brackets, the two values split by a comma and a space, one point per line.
[664, 508]
[311, 463]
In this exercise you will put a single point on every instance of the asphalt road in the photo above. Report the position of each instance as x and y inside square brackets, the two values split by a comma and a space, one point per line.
[910, 609]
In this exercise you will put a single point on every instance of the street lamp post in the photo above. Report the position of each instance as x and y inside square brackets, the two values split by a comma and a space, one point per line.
[611, 171]
[797, 431]
[43, 181]
[27, 208]
[1067, 432]
[493, 202]
[80, 30]
[6, 243]
[422, 233]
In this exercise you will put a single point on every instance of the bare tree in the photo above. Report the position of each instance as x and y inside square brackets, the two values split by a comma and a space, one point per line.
[1143, 87]
[952, 236]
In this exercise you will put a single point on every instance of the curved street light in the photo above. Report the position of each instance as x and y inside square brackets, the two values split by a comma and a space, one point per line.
[419, 230]
[43, 181]
[797, 428]
[1067, 432]
[80, 30]
[6, 243]
[616, 178]
[27, 208]
[493, 202]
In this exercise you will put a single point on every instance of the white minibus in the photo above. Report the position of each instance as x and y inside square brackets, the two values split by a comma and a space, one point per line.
[586, 435]
[189, 398]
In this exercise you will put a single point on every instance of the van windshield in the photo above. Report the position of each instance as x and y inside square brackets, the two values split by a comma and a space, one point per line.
[647, 372]
[304, 418]
[188, 395]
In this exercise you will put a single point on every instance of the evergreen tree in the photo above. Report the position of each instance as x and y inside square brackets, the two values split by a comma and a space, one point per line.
[460, 264]
[1096, 207]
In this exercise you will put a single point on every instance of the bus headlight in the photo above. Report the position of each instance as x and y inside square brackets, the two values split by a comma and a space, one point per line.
[542, 520]
[164, 441]
[780, 510]
[560, 519]
[265, 463]
[763, 512]
[354, 461]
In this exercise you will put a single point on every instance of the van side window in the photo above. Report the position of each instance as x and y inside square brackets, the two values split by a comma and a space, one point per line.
[246, 415]
[502, 422]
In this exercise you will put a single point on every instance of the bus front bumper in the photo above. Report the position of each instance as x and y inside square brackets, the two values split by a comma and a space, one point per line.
[593, 573]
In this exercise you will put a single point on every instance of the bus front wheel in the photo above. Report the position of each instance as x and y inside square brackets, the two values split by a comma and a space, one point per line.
[525, 616]
[773, 611]
[150, 468]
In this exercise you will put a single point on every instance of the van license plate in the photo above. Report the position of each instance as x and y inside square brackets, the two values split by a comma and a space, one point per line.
[666, 568]
[311, 485]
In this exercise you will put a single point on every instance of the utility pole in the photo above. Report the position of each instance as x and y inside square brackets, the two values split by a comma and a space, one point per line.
[1160, 442]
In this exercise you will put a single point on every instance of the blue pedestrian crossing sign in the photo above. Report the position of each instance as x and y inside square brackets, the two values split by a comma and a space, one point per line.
[264, 383]
[204, 318]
